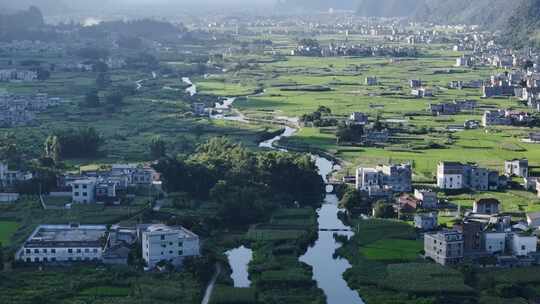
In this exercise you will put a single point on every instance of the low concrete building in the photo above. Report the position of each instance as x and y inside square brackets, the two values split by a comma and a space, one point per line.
[444, 247]
[427, 198]
[533, 220]
[426, 221]
[63, 243]
[372, 81]
[494, 242]
[522, 245]
[161, 243]
[488, 206]
[359, 118]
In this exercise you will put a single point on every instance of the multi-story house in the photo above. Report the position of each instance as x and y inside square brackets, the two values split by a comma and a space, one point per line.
[517, 167]
[458, 176]
[83, 191]
[162, 243]
[444, 247]
[63, 243]
[389, 178]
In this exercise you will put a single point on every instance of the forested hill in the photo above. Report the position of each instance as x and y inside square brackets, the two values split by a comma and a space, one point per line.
[523, 27]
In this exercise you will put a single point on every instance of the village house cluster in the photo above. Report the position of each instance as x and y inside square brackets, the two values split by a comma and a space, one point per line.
[18, 110]
[66, 244]
[108, 186]
[14, 75]
[485, 236]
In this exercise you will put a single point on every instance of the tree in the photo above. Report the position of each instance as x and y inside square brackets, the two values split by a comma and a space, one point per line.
[158, 147]
[383, 210]
[103, 80]
[53, 148]
[349, 133]
[1, 257]
[43, 74]
[114, 99]
[83, 142]
[91, 99]
[352, 200]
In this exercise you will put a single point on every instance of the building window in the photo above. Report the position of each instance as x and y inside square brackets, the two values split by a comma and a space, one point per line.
[87, 250]
[28, 260]
[85, 194]
[79, 250]
[180, 244]
[53, 259]
[170, 252]
[36, 260]
[70, 250]
[95, 250]
[44, 250]
[36, 250]
[523, 247]
[162, 237]
[53, 250]
[180, 252]
[28, 251]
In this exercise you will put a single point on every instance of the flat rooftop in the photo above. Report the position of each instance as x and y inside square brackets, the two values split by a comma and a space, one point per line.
[66, 236]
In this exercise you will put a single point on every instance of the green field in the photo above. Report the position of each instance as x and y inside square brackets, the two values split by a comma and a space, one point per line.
[392, 250]
[7, 230]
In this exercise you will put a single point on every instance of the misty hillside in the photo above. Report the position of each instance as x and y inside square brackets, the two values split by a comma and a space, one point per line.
[491, 13]
[523, 28]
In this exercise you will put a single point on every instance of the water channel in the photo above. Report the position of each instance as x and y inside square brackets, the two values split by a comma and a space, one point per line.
[327, 269]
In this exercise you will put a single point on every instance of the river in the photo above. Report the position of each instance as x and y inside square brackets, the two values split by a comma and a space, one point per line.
[327, 269]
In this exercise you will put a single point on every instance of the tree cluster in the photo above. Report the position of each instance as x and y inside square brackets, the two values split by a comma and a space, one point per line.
[73, 143]
[244, 184]
[320, 118]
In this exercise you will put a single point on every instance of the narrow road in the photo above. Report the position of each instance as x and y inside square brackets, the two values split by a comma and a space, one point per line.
[211, 285]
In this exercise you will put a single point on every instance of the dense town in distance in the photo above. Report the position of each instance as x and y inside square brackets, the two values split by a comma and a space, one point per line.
[269, 152]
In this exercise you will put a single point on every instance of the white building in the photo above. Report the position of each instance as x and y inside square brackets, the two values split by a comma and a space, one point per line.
[522, 245]
[63, 243]
[83, 191]
[9, 178]
[495, 242]
[450, 175]
[533, 220]
[168, 244]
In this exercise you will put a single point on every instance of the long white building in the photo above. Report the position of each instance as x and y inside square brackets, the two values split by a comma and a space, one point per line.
[161, 243]
[64, 243]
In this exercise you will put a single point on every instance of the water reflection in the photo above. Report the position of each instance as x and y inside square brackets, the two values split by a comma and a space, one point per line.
[239, 259]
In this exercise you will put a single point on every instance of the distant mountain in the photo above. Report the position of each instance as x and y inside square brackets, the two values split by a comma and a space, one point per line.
[490, 13]
[318, 5]
[388, 8]
[22, 20]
